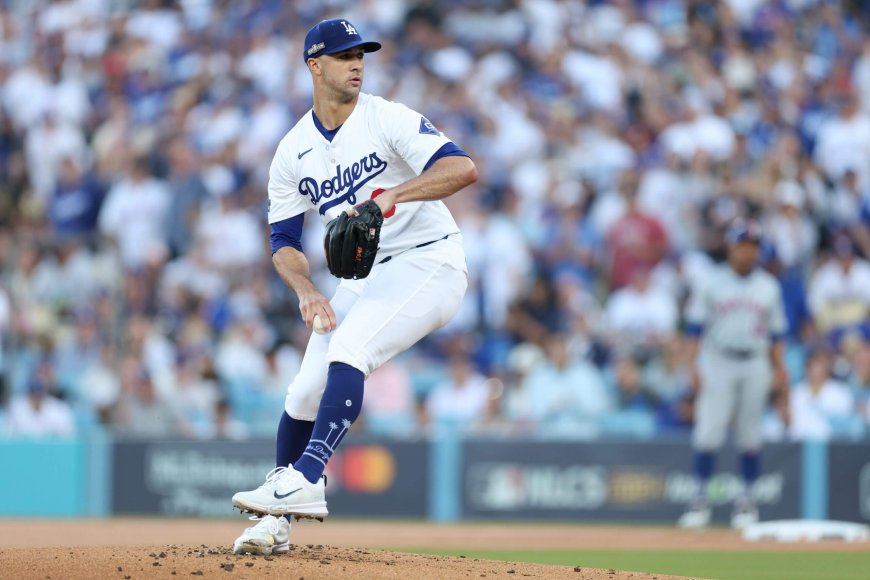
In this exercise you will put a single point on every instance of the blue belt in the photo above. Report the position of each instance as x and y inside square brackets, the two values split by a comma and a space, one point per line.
[388, 258]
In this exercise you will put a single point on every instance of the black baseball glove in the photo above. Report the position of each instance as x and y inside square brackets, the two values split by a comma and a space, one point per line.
[351, 243]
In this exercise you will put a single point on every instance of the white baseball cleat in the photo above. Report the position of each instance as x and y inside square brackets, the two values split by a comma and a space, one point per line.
[270, 536]
[744, 515]
[697, 517]
[285, 492]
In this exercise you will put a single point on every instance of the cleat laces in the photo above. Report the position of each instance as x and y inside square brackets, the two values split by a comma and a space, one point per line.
[273, 476]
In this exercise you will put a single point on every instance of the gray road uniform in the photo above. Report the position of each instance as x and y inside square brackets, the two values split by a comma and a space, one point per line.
[737, 319]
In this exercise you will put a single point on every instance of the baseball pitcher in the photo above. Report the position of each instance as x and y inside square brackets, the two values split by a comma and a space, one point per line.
[375, 171]
[736, 321]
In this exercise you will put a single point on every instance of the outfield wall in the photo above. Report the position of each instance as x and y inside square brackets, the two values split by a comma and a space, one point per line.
[443, 479]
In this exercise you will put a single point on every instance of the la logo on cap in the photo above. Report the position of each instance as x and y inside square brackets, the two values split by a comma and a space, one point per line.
[349, 29]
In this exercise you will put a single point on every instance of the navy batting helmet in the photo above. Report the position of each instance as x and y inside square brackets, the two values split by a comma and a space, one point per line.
[743, 231]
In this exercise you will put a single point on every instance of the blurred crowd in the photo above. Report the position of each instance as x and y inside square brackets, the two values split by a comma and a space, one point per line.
[615, 140]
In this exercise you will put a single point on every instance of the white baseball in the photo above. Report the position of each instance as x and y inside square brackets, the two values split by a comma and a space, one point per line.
[317, 325]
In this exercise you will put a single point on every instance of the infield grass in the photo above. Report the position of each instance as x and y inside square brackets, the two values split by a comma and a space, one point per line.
[719, 565]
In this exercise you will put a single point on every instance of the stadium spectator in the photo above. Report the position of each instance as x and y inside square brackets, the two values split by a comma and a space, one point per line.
[148, 347]
[461, 400]
[699, 135]
[636, 241]
[140, 411]
[843, 140]
[38, 413]
[567, 396]
[668, 375]
[502, 277]
[196, 394]
[791, 244]
[240, 355]
[820, 405]
[849, 204]
[839, 291]
[225, 425]
[662, 194]
[75, 203]
[641, 315]
[117, 137]
[188, 194]
[790, 231]
[516, 405]
[282, 363]
[632, 392]
[389, 406]
[231, 235]
[536, 315]
[78, 348]
[134, 216]
[99, 386]
[47, 145]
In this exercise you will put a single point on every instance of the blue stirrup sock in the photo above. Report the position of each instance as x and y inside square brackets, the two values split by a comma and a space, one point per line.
[339, 408]
[293, 436]
[750, 466]
[750, 469]
[703, 465]
[705, 462]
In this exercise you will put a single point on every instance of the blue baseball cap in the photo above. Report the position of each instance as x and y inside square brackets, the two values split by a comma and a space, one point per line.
[332, 36]
[744, 231]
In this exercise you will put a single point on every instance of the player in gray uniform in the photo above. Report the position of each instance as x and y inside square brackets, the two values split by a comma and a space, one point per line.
[736, 320]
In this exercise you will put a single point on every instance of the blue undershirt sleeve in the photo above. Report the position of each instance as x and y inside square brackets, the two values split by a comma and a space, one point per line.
[287, 233]
[447, 150]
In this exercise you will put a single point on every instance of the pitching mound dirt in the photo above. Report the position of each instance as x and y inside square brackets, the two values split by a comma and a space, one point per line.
[313, 561]
[128, 548]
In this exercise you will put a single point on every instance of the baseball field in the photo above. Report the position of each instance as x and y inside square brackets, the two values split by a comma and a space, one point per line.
[165, 548]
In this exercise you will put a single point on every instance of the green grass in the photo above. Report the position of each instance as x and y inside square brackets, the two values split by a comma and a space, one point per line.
[720, 565]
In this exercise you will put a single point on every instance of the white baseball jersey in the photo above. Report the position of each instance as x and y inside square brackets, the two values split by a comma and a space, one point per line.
[737, 312]
[381, 145]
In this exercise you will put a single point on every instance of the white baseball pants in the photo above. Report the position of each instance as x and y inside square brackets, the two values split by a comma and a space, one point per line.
[400, 302]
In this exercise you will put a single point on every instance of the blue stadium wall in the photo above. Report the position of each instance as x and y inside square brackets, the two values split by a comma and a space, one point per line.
[443, 479]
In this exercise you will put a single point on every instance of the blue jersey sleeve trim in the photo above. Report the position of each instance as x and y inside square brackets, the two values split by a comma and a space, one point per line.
[287, 233]
[777, 336]
[694, 330]
[447, 150]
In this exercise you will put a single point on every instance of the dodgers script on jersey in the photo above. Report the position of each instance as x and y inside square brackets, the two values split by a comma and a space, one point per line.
[736, 312]
[381, 145]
